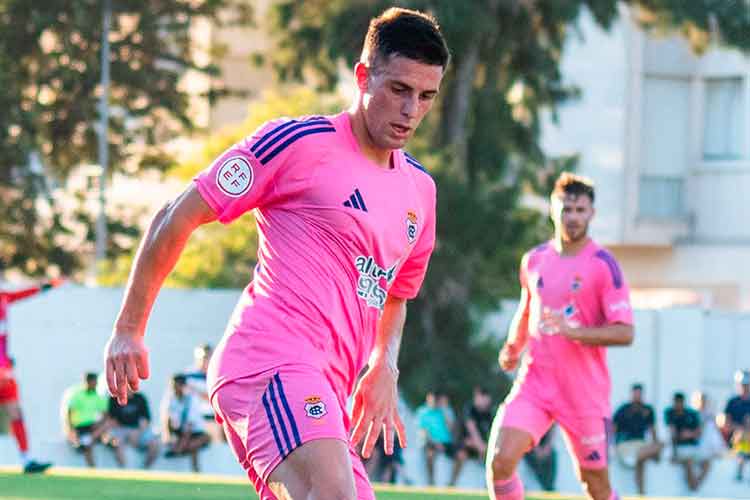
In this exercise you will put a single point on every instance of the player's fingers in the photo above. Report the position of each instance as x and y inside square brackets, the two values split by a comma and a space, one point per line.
[121, 380]
[357, 408]
[400, 430]
[375, 428]
[141, 361]
[360, 427]
[132, 371]
[110, 373]
[388, 429]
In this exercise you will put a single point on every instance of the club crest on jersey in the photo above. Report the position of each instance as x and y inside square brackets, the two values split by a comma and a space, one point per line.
[235, 176]
[576, 285]
[315, 407]
[411, 226]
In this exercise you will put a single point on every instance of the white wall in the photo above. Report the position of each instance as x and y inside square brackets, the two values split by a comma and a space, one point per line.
[57, 336]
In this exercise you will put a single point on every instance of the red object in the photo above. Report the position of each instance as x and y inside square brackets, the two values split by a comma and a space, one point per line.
[8, 390]
[19, 431]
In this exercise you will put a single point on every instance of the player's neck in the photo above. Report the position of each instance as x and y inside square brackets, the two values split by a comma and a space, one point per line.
[570, 248]
[379, 156]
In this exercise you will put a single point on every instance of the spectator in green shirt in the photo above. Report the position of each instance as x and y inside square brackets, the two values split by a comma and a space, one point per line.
[84, 413]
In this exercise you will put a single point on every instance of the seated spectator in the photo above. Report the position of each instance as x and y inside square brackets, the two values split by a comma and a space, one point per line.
[182, 422]
[84, 417]
[542, 459]
[131, 425]
[636, 441]
[741, 447]
[383, 468]
[198, 387]
[738, 407]
[685, 428]
[477, 421]
[711, 444]
[435, 420]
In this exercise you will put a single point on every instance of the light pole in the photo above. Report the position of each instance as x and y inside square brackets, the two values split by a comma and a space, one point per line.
[101, 221]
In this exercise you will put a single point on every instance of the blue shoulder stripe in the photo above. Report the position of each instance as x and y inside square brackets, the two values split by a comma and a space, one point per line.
[287, 130]
[307, 131]
[414, 163]
[281, 127]
[614, 267]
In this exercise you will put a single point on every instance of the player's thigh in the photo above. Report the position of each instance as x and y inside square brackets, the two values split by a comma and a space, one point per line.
[300, 475]
[518, 425]
[587, 439]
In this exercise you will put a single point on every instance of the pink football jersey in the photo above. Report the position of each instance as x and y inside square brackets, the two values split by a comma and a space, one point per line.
[589, 290]
[337, 234]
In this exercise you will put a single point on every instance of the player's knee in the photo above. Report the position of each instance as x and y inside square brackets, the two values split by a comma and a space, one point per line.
[340, 486]
[503, 466]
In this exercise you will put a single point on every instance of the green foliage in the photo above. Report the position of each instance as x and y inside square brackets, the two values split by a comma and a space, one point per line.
[49, 92]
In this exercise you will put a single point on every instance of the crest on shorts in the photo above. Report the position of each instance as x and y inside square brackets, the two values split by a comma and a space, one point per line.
[314, 407]
[411, 226]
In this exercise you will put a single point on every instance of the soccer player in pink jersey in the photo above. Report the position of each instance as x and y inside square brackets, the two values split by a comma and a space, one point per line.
[574, 303]
[346, 223]
[9, 394]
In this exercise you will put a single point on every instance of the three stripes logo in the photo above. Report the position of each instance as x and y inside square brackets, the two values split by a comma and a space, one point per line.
[277, 140]
[280, 417]
[356, 201]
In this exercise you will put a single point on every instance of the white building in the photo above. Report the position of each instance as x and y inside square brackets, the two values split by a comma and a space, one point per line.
[664, 134]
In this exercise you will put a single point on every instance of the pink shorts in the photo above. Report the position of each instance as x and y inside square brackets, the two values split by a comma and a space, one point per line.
[587, 437]
[268, 415]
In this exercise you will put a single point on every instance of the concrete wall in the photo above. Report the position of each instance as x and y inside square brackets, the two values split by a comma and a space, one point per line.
[57, 336]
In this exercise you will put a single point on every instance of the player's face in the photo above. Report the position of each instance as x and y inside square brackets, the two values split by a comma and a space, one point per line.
[571, 215]
[398, 93]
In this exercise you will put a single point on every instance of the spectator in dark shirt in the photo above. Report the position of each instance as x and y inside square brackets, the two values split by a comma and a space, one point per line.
[737, 407]
[685, 427]
[635, 435]
[477, 421]
[543, 461]
[131, 425]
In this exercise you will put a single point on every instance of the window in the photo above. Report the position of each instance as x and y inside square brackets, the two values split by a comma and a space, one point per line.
[723, 126]
[665, 146]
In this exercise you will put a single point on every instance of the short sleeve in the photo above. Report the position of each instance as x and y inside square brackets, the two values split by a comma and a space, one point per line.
[411, 275]
[615, 296]
[244, 176]
[651, 419]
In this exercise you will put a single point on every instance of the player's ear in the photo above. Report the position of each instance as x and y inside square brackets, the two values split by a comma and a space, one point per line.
[362, 74]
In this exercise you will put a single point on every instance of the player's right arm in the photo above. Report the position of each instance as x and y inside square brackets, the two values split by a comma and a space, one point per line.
[126, 357]
[518, 333]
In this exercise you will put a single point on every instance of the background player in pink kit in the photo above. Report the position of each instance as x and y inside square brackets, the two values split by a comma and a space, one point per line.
[9, 396]
[346, 224]
[574, 303]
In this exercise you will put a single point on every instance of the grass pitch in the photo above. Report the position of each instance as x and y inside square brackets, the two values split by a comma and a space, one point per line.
[83, 484]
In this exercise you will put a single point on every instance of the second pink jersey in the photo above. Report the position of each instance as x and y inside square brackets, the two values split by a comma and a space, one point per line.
[589, 290]
[337, 233]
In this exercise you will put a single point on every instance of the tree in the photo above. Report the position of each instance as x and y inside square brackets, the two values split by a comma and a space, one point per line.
[49, 88]
[481, 143]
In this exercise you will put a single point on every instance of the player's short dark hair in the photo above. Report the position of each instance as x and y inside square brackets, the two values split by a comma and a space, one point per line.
[179, 379]
[91, 376]
[636, 387]
[574, 185]
[407, 33]
[679, 396]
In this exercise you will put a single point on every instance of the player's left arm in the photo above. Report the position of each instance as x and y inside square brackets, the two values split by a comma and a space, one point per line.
[376, 396]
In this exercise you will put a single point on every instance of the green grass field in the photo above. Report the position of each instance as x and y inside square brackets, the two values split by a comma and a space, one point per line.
[83, 484]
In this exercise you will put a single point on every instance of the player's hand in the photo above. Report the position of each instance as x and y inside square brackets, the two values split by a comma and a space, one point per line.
[376, 410]
[126, 362]
[508, 358]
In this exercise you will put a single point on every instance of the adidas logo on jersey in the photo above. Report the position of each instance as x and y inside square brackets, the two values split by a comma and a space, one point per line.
[356, 201]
